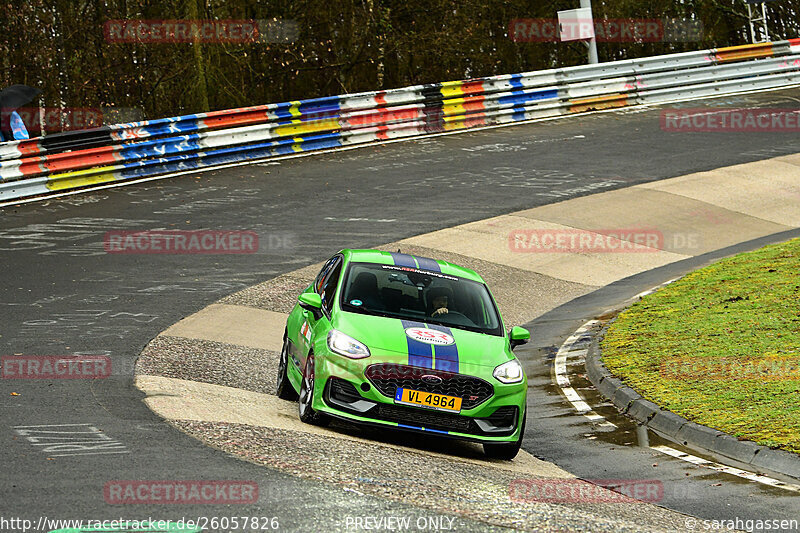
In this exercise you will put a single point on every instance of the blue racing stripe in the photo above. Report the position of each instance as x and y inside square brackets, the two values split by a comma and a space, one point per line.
[403, 260]
[419, 353]
[446, 356]
[428, 264]
[407, 426]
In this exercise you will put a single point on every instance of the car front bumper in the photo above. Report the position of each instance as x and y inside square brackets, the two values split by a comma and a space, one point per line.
[343, 390]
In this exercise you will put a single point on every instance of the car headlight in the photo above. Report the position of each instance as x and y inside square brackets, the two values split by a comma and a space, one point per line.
[510, 372]
[346, 345]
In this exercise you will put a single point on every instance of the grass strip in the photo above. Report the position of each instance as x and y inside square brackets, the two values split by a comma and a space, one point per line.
[721, 346]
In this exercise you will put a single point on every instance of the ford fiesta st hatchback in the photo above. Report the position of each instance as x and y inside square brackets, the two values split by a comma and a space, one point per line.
[409, 343]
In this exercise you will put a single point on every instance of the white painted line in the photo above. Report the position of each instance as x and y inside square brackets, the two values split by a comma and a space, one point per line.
[654, 289]
[49, 426]
[744, 474]
[567, 356]
[84, 453]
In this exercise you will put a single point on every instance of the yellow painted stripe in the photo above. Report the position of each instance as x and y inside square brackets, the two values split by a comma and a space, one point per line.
[457, 124]
[746, 51]
[81, 178]
[579, 105]
[294, 110]
[452, 89]
[453, 110]
[302, 128]
[297, 147]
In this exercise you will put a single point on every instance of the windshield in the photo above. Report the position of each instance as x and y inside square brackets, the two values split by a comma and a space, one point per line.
[413, 294]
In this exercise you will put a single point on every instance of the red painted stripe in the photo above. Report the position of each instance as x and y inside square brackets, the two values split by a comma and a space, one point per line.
[380, 98]
[221, 120]
[31, 166]
[29, 147]
[381, 116]
[77, 162]
[472, 87]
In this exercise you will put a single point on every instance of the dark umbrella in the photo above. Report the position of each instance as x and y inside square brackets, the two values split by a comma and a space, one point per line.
[12, 98]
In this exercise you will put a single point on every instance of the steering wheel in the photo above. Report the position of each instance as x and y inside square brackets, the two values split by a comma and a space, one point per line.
[455, 314]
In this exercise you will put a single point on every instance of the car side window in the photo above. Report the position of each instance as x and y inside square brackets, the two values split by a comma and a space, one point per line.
[329, 286]
[320, 279]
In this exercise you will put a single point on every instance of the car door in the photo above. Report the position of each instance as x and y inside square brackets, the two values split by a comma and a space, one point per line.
[313, 328]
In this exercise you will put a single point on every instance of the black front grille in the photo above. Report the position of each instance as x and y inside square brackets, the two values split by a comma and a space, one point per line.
[387, 378]
[343, 390]
[503, 416]
[426, 419]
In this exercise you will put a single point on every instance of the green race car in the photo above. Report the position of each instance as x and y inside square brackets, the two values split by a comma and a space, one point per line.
[406, 342]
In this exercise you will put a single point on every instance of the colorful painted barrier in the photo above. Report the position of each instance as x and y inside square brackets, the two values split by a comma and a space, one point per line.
[76, 159]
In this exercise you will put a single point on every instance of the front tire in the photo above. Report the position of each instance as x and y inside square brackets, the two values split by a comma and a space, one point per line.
[305, 405]
[285, 391]
[505, 450]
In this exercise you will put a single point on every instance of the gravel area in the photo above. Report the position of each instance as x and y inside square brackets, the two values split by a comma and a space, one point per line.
[210, 362]
[445, 486]
[278, 294]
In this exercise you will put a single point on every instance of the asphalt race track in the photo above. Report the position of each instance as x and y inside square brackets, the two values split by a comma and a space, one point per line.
[62, 294]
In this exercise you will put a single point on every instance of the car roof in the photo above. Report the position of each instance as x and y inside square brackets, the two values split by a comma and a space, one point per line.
[409, 260]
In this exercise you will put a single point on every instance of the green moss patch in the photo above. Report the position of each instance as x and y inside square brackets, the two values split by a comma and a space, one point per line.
[721, 346]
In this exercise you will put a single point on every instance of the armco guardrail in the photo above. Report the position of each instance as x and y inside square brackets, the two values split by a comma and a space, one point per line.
[71, 160]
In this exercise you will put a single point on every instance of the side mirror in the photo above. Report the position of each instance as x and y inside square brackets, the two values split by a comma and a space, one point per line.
[519, 336]
[311, 301]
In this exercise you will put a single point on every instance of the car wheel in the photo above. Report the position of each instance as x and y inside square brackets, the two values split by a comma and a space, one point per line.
[285, 391]
[505, 450]
[307, 412]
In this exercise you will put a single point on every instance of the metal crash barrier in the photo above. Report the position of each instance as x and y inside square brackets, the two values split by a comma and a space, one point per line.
[62, 161]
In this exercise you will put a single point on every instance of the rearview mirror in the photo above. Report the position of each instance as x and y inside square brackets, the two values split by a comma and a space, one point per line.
[519, 336]
[311, 301]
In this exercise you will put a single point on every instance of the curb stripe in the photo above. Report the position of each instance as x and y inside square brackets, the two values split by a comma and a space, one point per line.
[744, 474]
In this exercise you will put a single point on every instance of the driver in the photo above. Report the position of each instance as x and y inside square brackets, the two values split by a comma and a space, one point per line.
[440, 298]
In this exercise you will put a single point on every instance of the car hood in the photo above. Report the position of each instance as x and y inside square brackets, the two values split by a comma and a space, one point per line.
[398, 341]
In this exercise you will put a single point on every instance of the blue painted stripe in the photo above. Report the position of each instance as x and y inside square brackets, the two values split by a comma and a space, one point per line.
[446, 356]
[161, 147]
[187, 161]
[408, 426]
[403, 260]
[426, 263]
[522, 97]
[419, 353]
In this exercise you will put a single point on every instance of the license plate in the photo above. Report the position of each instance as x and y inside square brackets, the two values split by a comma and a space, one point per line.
[430, 400]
